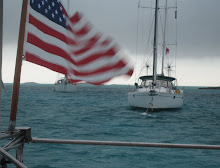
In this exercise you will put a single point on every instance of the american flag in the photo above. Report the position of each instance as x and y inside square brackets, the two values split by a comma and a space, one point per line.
[70, 45]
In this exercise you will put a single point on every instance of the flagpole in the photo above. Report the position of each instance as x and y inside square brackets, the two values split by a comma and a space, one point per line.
[17, 75]
[1, 32]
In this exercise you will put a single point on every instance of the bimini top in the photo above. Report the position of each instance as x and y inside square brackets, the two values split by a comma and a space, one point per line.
[159, 77]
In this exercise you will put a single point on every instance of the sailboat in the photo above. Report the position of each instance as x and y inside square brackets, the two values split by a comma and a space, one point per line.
[65, 85]
[157, 91]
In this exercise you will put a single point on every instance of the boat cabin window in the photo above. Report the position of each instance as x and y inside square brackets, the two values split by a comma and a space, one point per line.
[146, 83]
[163, 83]
[160, 83]
[143, 83]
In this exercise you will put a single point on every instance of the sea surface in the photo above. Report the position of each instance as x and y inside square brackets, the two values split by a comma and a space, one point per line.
[102, 113]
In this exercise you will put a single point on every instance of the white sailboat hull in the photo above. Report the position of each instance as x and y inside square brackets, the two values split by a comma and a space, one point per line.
[65, 87]
[159, 100]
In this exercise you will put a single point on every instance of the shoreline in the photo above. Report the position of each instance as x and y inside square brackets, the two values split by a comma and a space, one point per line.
[214, 88]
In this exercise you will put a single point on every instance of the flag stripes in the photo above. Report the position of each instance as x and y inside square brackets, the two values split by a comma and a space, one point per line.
[74, 48]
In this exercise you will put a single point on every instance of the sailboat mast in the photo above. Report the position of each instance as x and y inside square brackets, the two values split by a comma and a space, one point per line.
[155, 43]
[164, 38]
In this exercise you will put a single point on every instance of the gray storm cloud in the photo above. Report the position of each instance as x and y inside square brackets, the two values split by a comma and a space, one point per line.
[198, 23]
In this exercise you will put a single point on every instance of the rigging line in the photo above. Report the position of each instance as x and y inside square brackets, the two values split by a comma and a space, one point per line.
[164, 38]
[68, 5]
[147, 61]
[162, 28]
[168, 63]
[148, 41]
[151, 28]
[177, 83]
[143, 56]
[149, 36]
[162, 31]
[168, 7]
[171, 44]
[143, 32]
[146, 7]
[150, 56]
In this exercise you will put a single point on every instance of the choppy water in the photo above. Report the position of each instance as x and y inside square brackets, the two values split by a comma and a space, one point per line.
[102, 113]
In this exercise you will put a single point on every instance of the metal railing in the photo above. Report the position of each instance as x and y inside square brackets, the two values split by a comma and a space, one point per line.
[23, 135]
[131, 144]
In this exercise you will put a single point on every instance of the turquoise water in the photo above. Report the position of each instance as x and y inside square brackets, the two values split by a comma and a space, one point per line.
[102, 113]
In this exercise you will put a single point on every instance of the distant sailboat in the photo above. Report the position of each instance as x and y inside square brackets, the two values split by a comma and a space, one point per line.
[65, 85]
[157, 91]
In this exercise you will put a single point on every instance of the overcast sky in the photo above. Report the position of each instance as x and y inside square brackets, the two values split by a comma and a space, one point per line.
[198, 60]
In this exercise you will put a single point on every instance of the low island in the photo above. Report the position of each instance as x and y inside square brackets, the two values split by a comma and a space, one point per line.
[216, 88]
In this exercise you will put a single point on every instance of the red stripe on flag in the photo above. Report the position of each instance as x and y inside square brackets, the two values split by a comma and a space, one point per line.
[48, 47]
[104, 69]
[59, 52]
[75, 18]
[47, 30]
[84, 30]
[90, 44]
[106, 42]
[74, 81]
[93, 83]
[34, 59]
[130, 72]
[110, 53]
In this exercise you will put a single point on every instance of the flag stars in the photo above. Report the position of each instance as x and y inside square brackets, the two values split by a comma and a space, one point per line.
[52, 9]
